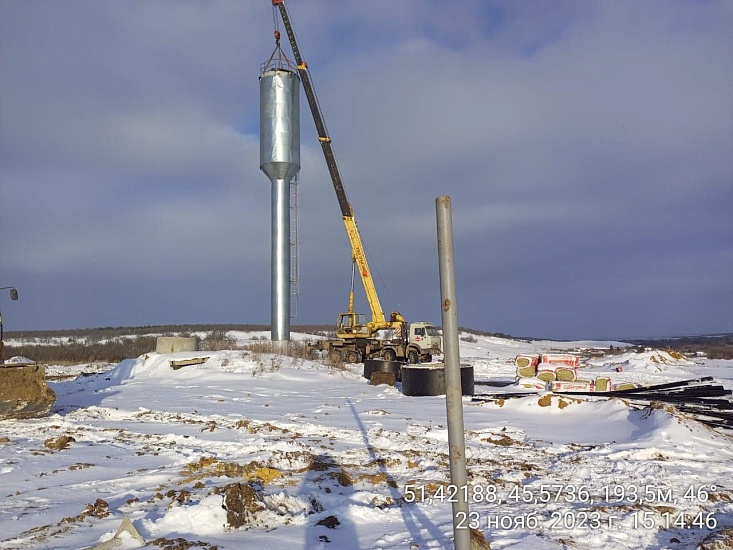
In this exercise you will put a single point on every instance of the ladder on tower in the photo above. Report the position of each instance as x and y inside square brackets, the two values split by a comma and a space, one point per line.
[294, 244]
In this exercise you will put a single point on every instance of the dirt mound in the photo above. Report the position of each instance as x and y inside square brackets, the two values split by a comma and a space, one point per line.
[242, 503]
[58, 443]
[23, 392]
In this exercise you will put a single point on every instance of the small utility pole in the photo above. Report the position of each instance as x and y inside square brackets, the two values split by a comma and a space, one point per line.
[452, 360]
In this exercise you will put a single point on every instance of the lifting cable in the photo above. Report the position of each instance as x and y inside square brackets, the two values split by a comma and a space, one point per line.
[277, 59]
[379, 275]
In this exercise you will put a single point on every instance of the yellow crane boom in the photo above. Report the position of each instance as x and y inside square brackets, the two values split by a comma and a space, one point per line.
[349, 324]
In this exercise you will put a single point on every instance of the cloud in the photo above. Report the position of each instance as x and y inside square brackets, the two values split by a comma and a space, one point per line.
[586, 148]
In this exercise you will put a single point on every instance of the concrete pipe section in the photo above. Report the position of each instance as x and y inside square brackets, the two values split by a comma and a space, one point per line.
[372, 366]
[429, 379]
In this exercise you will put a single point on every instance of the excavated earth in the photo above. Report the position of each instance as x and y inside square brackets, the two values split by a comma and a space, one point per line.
[24, 392]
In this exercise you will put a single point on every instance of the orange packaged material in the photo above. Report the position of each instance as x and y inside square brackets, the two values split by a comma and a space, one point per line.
[560, 359]
[532, 383]
[576, 386]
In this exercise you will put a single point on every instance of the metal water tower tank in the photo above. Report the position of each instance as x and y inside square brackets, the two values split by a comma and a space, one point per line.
[280, 161]
[279, 124]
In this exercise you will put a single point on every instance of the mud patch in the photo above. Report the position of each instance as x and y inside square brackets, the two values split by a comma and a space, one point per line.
[257, 427]
[211, 466]
[503, 441]
[242, 503]
[720, 540]
[376, 479]
[178, 497]
[59, 443]
[100, 509]
[181, 544]
[478, 540]
[331, 522]
[562, 402]
[324, 464]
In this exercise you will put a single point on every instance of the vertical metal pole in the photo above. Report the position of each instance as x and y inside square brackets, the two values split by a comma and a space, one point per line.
[280, 294]
[453, 401]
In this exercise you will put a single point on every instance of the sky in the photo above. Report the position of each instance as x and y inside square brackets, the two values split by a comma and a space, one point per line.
[587, 148]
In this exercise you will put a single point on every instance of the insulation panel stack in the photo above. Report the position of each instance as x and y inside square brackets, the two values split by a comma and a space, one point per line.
[526, 365]
[562, 365]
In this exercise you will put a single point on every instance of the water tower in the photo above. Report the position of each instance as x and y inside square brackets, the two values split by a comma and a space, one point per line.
[280, 161]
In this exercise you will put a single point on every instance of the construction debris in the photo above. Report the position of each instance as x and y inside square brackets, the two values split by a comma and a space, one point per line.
[177, 364]
[698, 397]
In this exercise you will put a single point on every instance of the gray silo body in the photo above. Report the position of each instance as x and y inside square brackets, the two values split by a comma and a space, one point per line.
[280, 161]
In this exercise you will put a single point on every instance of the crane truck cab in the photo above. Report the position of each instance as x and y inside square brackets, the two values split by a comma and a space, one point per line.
[352, 325]
[425, 336]
[424, 339]
[416, 343]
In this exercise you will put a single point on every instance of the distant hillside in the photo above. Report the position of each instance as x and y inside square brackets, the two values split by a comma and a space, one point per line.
[102, 333]
[495, 334]
[113, 344]
[719, 346]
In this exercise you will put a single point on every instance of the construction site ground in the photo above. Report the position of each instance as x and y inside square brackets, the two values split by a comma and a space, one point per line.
[254, 450]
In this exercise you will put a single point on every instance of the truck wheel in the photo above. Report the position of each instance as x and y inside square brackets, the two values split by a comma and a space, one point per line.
[413, 357]
[336, 356]
[389, 355]
[353, 356]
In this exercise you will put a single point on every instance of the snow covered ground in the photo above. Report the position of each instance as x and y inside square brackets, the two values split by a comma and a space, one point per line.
[263, 451]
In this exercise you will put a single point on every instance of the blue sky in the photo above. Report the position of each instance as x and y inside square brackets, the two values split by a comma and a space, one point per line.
[587, 148]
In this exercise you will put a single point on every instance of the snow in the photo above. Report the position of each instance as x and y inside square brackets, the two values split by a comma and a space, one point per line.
[331, 460]
[655, 361]
[18, 359]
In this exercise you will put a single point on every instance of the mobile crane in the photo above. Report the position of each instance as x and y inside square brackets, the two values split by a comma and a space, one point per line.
[357, 338]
